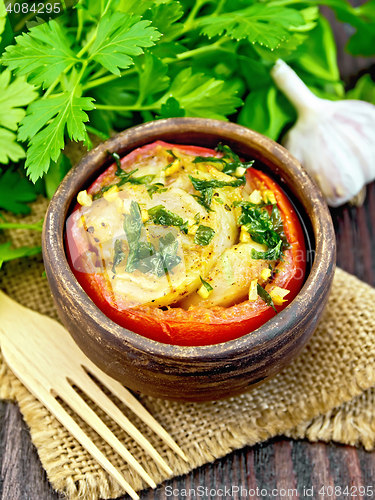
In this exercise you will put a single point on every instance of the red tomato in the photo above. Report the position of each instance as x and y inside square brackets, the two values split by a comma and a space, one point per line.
[197, 326]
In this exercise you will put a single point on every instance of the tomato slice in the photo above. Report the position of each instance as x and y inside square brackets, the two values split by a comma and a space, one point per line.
[196, 326]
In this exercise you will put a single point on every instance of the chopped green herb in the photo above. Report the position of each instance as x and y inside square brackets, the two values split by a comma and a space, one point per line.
[133, 227]
[271, 254]
[204, 235]
[206, 187]
[207, 286]
[233, 160]
[143, 255]
[169, 151]
[124, 176]
[160, 215]
[278, 226]
[158, 262]
[128, 177]
[172, 154]
[203, 184]
[119, 255]
[168, 247]
[145, 179]
[264, 295]
[117, 159]
[158, 187]
[263, 228]
[106, 188]
[229, 161]
[197, 218]
[209, 159]
[206, 199]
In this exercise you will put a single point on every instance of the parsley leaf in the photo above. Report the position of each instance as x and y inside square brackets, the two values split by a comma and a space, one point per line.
[364, 89]
[119, 37]
[262, 23]
[362, 18]
[3, 17]
[46, 144]
[12, 96]
[278, 226]
[43, 54]
[15, 192]
[171, 109]
[7, 253]
[167, 255]
[136, 7]
[200, 95]
[56, 173]
[204, 235]
[152, 76]
[117, 159]
[124, 176]
[164, 16]
[267, 111]
[205, 199]
[9, 149]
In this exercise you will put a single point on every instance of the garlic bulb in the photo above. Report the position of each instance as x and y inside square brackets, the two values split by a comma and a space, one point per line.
[333, 140]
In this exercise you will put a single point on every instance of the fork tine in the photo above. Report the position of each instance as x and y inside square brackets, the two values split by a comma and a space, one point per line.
[50, 402]
[87, 385]
[76, 403]
[133, 404]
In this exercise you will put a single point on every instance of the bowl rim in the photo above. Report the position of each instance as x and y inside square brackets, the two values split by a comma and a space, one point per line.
[58, 209]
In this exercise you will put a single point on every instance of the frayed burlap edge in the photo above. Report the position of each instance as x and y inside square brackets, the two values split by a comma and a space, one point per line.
[344, 424]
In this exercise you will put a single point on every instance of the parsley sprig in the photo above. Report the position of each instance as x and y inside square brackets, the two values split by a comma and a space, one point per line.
[46, 57]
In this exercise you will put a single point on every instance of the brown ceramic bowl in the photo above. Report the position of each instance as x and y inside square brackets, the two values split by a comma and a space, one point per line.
[206, 372]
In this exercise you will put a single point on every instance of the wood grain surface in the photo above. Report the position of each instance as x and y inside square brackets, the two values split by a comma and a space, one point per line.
[279, 463]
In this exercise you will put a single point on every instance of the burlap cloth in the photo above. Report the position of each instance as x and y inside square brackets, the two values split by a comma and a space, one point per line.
[328, 392]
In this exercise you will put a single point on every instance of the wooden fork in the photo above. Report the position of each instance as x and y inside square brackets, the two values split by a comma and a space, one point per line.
[45, 358]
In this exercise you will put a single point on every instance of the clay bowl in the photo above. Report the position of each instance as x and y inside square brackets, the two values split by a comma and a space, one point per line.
[193, 373]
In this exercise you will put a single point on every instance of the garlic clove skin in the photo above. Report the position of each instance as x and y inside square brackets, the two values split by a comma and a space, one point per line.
[333, 140]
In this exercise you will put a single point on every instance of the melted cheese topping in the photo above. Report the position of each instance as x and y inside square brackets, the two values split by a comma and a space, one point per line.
[224, 265]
